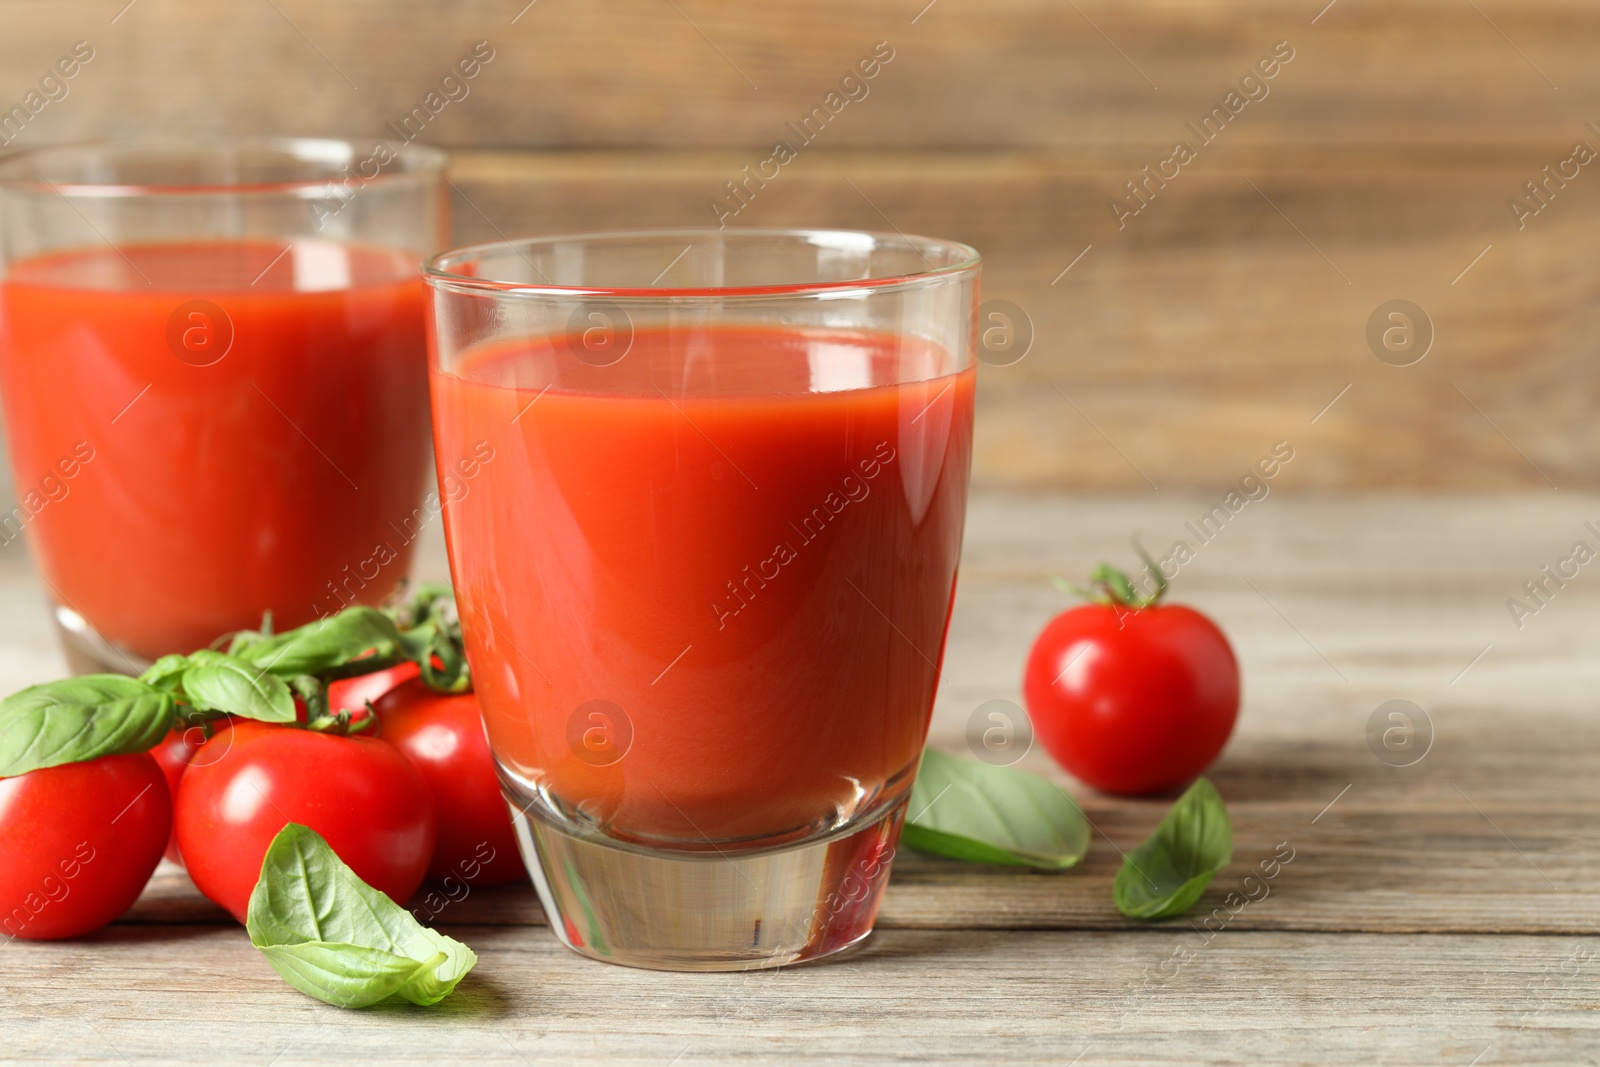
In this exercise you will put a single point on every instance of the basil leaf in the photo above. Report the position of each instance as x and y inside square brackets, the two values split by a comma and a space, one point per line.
[166, 673]
[1166, 875]
[984, 814]
[78, 719]
[333, 937]
[327, 643]
[216, 681]
[244, 640]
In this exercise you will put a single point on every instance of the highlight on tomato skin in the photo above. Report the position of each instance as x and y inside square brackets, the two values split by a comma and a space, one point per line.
[1131, 695]
[443, 735]
[354, 694]
[79, 841]
[367, 800]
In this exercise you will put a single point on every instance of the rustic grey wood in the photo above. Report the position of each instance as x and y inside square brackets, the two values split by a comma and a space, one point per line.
[1399, 852]
[203, 995]
[1231, 313]
[1428, 77]
[1432, 914]
[1226, 315]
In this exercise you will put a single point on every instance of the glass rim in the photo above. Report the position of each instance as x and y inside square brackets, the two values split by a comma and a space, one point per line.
[416, 161]
[437, 269]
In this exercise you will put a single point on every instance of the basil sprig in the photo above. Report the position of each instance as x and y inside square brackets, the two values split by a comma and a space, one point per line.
[985, 814]
[423, 628]
[214, 681]
[79, 719]
[74, 720]
[1167, 873]
[167, 673]
[432, 626]
[333, 937]
[329, 647]
[258, 677]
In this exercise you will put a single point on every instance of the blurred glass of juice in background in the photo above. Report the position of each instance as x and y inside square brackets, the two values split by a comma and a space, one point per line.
[213, 363]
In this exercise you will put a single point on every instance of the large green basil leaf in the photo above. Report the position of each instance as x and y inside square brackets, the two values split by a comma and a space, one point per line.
[1166, 875]
[985, 814]
[333, 937]
[78, 719]
[326, 644]
[215, 681]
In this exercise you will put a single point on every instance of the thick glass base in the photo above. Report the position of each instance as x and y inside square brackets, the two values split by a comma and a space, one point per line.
[86, 652]
[715, 909]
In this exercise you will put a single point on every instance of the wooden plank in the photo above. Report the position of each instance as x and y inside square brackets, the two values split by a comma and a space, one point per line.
[1426, 76]
[1494, 840]
[1334, 605]
[1428, 864]
[1176, 351]
[1228, 315]
[131, 994]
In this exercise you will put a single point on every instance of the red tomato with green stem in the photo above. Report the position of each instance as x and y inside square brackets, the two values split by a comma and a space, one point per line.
[353, 694]
[172, 755]
[1131, 695]
[78, 842]
[250, 779]
[443, 735]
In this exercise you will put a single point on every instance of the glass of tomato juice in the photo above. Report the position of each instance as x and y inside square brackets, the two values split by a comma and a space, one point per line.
[706, 579]
[213, 363]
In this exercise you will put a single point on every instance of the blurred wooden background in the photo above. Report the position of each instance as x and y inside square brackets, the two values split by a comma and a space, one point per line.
[1224, 317]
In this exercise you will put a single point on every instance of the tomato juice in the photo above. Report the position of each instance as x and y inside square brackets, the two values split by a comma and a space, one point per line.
[244, 422]
[706, 587]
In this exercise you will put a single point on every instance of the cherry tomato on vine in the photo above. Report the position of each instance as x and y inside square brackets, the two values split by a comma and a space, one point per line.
[172, 755]
[78, 842]
[353, 694]
[1131, 695]
[443, 735]
[250, 779]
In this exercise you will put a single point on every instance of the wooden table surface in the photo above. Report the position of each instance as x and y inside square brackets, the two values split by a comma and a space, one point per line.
[1441, 913]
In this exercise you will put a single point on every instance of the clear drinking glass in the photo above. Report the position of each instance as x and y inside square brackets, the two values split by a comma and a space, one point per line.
[710, 496]
[213, 362]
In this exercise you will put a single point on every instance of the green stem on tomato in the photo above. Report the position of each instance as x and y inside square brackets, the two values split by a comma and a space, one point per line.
[431, 629]
[366, 665]
[1113, 588]
[313, 692]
